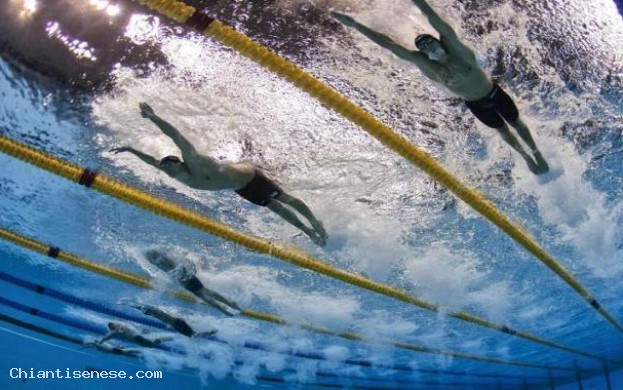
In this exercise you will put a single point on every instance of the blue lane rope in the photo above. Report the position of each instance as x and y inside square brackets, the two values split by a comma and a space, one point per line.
[100, 308]
[53, 317]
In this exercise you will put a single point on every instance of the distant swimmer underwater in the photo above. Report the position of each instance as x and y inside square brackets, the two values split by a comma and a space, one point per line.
[185, 276]
[450, 62]
[179, 324]
[247, 180]
[118, 330]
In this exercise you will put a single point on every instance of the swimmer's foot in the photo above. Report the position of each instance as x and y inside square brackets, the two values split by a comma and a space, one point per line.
[319, 228]
[543, 167]
[231, 308]
[313, 235]
[127, 302]
[163, 340]
[224, 308]
[316, 238]
[532, 166]
[90, 344]
[208, 333]
[131, 303]
[230, 311]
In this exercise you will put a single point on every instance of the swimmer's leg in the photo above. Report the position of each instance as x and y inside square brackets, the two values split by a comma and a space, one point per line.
[204, 334]
[220, 302]
[302, 208]
[225, 309]
[162, 340]
[278, 208]
[118, 350]
[510, 139]
[526, 136]
[543, 166]
[107, 337]
[218, 297]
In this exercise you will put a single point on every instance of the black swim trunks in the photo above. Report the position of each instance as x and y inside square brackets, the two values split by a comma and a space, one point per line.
[260, 190]
[494, 108]
[182, 327]
[191, 283]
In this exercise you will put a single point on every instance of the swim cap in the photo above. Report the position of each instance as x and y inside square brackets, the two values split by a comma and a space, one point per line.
[170, 159]
[423, 40]
[160, 260]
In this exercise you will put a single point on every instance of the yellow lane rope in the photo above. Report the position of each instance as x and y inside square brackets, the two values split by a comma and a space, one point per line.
[177, 213]
[57, 254]
[188, 15]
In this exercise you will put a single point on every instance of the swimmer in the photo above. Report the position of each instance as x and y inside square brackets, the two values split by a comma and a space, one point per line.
[247, 180]
[119, 330]
[450, 62]
[176, 323]
[114, 350]
[187, 278]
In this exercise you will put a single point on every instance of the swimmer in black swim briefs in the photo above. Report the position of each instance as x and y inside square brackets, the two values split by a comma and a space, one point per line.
[263, 191]
[453, 64]
[118, 330]
[206, 173]
[184, 274]
[260, 190]
[176, 323]
[495, 108]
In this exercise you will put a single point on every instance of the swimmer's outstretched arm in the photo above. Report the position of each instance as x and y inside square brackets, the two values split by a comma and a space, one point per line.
[106, 337]
[112, 349]
[443, 28]
[145, 157]
[376, 37]
[415, 57]
[119, 351]
[188, 150]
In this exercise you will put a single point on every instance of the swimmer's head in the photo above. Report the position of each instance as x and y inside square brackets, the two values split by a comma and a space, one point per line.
[172, 165]
[114, 326]
[160, 260]
[432, 47]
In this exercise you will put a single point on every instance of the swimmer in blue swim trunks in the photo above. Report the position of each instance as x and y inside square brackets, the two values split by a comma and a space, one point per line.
[450, 62]
[206, 173]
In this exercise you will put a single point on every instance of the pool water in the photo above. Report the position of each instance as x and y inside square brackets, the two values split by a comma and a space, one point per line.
[72, 75]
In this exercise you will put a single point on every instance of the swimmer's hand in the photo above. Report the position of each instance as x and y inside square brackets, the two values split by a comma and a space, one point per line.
[146, 110]
[132, 303]
[344, 19]
[122, 149]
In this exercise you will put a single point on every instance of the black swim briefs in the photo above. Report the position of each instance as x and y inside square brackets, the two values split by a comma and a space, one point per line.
[182, 327]
[494, 108]
[260, 190]
[191, 283]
